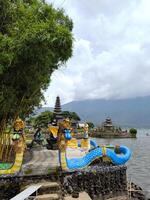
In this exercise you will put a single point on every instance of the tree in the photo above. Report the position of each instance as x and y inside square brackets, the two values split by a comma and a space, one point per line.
[35, 39]
[71, 115]
[44, 118]
[91, 125]
[30, 121]
[133, 132]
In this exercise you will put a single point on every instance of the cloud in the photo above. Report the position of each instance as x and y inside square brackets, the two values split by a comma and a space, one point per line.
[111, 51]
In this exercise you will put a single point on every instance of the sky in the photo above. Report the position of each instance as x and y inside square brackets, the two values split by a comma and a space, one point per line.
[111, 51]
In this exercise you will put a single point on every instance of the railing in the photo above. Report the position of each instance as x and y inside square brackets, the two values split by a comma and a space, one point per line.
[27, 193]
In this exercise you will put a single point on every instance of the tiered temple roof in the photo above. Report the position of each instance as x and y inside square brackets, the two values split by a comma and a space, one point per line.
[57, 109]
[108, 122]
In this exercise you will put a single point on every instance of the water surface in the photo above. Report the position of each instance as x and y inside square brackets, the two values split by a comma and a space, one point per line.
[139, 165]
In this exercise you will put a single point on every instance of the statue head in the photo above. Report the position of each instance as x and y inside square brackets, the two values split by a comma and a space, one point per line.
[66, 123]
[67, 119]
[18, 124]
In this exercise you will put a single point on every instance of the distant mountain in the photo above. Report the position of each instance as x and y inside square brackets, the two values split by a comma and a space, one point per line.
[126, 112]
[42, 109]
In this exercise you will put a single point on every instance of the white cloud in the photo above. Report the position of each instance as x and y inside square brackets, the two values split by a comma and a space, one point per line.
[111, 51]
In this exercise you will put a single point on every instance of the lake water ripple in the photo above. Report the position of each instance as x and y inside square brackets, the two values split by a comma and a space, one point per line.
[139, 165]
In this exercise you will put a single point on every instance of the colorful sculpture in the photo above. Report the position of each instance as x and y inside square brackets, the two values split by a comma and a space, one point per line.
[19, 135]
[117, 155]
[64, 133]
[19, 145]
[38, 138]
[19, 124]
[86, 129]
[117, 159]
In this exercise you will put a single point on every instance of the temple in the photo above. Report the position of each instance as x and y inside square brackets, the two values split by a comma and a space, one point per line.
[108, 124]
[57, 110]
[108, 130]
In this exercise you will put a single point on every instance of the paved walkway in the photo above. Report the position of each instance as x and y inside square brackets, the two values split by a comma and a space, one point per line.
[76, 152]
[43, 162]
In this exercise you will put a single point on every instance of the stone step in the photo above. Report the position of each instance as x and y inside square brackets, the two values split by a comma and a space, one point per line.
[50, 184]
[119, 198]
[48, 197]
[49, 187]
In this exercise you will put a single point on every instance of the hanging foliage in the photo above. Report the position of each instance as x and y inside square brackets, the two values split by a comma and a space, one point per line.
[35, 39]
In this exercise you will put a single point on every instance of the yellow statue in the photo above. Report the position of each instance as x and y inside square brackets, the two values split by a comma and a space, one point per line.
[18, 124]
[18, 135]
[65, 124]
[86, 130]
[85, 141]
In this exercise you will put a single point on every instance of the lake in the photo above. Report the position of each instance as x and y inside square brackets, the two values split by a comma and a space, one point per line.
[139, 165]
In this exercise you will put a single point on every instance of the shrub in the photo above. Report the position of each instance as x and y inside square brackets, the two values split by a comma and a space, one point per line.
[133, 132]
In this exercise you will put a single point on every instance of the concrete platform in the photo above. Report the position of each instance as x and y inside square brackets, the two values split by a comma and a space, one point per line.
[76, 152]
[82, 196]
[43, 161]
[48, 197]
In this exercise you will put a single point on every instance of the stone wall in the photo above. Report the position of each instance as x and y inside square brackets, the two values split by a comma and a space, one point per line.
[100, 182]
[9, 189]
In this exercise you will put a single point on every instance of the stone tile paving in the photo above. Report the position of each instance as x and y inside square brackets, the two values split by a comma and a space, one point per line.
[43, 161]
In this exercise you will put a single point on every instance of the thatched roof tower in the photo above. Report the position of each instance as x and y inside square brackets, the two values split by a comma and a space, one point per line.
[57, 109]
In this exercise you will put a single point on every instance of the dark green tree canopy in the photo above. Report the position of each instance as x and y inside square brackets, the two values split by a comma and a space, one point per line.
[47, 117]
[44, 119]
[71, 115]
[91, 125]
[133, 131]
[35, 39]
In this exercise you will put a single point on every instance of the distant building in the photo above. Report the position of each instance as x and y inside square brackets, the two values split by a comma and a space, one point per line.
[109, 130]
[57, 110]
[107, 125]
